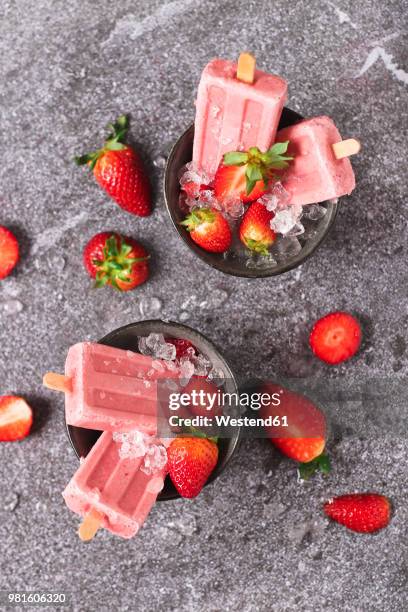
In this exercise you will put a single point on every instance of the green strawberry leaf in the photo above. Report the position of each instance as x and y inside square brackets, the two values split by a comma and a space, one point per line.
[322, 463]
[235, 158]
[279, 147]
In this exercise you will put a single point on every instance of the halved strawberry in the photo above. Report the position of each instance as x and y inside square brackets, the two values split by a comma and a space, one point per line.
[336, 337]
[245, 174]
[255, 230]
[9, 252]
[209, 229]
[16, 418]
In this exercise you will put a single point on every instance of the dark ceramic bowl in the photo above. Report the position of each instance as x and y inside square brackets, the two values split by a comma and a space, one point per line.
[180, 155]
[126, 338]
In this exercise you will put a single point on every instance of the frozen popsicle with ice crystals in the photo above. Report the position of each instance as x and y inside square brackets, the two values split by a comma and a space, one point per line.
[321, 169]
[237, 107]
[115, 488]
[111, 389]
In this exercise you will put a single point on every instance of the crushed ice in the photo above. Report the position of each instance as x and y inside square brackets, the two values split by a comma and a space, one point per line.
[150, 306]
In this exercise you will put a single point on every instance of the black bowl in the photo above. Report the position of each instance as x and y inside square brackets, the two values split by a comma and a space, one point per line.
[180, 155]
[125, 338]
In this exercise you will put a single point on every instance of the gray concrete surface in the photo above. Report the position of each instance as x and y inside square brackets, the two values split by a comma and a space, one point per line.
[255, 540]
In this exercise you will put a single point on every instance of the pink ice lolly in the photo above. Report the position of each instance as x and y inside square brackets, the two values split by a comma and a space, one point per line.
[234, 115]
[117, 491]
[112, 389]
[315, 174]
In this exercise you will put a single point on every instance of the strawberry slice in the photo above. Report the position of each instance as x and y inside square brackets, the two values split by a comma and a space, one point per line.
[245, 175]
[361, 512]
[335, 337]
[9, 252]
[16, 418]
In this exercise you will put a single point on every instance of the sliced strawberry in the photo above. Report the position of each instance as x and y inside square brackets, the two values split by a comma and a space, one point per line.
[209, 229]
[336, 337]
[245, 175]
[361, 512]
[16, 418]
[9, 251]
[255, 229]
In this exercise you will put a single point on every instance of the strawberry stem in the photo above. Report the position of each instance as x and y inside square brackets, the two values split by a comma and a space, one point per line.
[116, 263]
[113, 142]
[259, 165]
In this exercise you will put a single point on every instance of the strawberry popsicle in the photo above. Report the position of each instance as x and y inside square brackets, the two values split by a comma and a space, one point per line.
[237, 107]
[110, 389]
[320, 169]
[114, 492]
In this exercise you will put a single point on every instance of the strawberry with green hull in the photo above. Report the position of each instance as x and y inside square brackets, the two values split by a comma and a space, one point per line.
[301, 432]
[119, 171]
[16, 418]
[115, 260]
[209, 229]
[336, 337]
[360, 512]
[255, 229]
[246, 175]
[9, 252]
[190, 461]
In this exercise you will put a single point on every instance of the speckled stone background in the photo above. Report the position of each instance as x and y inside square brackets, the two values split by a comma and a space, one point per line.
[256, 539]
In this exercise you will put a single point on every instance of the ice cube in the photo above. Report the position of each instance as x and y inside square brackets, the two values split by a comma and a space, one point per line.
[201, 365]
[11, 307]
[314, 212]
[288, 246]
[150, 306]
[186, 370]
[132, 444]
[155, 459]
[154, 345]
[282, 196]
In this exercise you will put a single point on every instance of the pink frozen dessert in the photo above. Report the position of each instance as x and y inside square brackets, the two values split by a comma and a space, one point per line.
[237, 107]
[115, 489]
[111, 389]
[320, 169]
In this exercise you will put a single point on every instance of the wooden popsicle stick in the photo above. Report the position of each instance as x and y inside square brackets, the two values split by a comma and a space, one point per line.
[246, 68]
[57, 382]
[345, 148]
[90, 525]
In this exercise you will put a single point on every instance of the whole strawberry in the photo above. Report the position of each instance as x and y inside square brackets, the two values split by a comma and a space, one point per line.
[255, 230]
[361, 512]
[299, 431]
[119, 171]
[115, 260]
[209, 229]
[246, 174]
[9, 252]
[190, 462]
